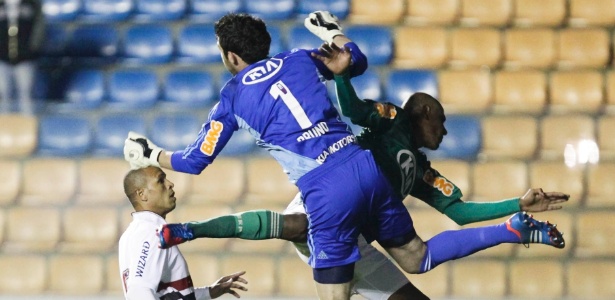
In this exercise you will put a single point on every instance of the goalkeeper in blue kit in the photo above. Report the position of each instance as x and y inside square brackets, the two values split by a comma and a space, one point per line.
[394, 135]
[282, 102]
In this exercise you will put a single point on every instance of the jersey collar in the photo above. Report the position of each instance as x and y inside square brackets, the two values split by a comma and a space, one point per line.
[148, 216]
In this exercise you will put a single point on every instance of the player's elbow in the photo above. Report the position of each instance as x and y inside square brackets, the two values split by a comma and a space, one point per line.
[192, 171]
[459, 212]
[459, 219]
[195, 171]
[190, 168]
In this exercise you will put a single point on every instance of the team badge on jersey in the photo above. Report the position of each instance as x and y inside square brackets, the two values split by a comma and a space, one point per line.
[386, 110]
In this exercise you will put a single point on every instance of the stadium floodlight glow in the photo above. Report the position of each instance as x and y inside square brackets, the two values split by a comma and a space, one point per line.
[584, 152]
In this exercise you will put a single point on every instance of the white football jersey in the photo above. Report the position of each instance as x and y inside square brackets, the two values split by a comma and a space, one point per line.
[143, 264]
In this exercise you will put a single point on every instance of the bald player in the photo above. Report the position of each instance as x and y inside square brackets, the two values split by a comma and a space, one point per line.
[148, 272]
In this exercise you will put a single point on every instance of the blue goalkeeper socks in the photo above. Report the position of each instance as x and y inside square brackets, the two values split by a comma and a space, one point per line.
[454, 244]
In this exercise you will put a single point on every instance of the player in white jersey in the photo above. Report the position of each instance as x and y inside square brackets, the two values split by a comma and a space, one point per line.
[148, 272]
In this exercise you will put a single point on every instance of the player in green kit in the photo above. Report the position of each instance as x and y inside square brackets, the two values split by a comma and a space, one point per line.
[394, 135]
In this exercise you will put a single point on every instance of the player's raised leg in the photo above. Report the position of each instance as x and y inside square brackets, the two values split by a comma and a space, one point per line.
[521, 228]
[248, 225]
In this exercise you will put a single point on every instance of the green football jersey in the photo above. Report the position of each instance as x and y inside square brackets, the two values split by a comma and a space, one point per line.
[388, 134]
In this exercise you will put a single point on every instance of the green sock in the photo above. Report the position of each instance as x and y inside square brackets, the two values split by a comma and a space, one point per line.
[249, 225]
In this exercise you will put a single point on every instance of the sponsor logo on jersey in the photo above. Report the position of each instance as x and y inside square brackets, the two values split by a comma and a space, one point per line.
[386, 110]
[407, 167]
[262, 73]
[316, 131]
[208, 146]
[142, 259]
[345, 141]
[439, 183]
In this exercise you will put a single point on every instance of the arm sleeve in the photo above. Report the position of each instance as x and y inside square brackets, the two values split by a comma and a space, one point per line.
[469, 212]
[202, 293]
[352, 107]
[359, 60]
[358, 63]
[443, 195]
[212, 138]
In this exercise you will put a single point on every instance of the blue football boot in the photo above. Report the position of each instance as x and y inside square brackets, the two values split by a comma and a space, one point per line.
[530, 231]
[174, 234]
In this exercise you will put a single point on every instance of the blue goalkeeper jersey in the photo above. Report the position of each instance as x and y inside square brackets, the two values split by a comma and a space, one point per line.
[283, 102]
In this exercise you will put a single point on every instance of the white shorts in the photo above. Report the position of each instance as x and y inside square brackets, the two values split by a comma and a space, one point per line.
[375, 275]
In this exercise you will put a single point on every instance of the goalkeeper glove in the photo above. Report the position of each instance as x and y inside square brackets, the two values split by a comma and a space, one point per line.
[324, 25]
[140, 152]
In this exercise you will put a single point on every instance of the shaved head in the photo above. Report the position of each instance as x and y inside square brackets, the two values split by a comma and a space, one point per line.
[133, 181]
[418, 101]
[426, 120]
[149, 189]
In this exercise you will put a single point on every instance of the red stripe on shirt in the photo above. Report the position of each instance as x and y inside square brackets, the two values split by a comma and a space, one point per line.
[178, 285]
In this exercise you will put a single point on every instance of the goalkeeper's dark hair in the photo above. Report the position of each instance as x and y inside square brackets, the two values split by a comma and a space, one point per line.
[244, 35]
[414, 105]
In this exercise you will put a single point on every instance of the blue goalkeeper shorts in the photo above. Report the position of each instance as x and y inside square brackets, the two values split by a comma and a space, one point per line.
[344, 197]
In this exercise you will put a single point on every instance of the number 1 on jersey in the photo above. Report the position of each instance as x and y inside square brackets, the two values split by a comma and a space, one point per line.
[280, 90]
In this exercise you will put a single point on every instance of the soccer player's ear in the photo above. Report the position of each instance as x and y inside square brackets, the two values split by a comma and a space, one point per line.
[426, 111]
[233, 58]
[140, 195]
